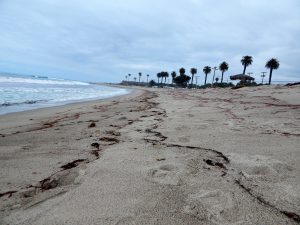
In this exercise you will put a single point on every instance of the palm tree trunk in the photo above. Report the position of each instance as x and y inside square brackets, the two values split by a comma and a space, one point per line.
[244, 69]
[222, 77]
[270, 76]
[192, 80]
[205, 79]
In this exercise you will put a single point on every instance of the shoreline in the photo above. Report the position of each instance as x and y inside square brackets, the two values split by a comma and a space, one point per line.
[74, 103]
[157, 156]
[40, 105]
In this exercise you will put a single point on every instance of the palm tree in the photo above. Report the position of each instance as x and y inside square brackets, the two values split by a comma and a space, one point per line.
[158, 76]
[162, 75]
[206, 70]
[272, 64]
[140, 75]
[166, 74]
[193, 72]
[147, 77]
[134, 79]
[126, 78]
[246, 61]
[173, 74]
[181, 71]
[223, 67]
[129, 75]
[217, 79]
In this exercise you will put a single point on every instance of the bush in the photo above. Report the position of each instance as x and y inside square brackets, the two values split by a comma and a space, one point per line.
[252, 84]
[223, 85]
[152, 83]
[205, 86]
[182, 80]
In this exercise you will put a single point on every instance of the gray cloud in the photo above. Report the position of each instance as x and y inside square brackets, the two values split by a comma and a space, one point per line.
[102, 40]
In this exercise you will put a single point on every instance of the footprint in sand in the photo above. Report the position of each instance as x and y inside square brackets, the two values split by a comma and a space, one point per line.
[261, 170]
[109, 140]
[210, 205]
[282, 168]
[166, 174]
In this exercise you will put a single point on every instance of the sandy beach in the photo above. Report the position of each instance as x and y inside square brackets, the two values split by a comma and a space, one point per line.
[155, 156]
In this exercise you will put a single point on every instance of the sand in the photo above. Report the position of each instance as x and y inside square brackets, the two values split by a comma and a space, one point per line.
[157, 156]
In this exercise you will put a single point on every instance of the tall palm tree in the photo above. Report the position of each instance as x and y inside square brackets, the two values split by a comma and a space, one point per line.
[206, 70]
[173, 74]
[162, 75]
[129, 75]
[246, 61]
[158, 76]
[223, 67]
[140, 75]
[147, 77]
[166, 74]
[193, 72]
[134, 79]
[272, 64]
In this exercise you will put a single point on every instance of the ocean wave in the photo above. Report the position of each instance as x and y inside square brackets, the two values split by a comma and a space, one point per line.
[29, 102]
[9, 79]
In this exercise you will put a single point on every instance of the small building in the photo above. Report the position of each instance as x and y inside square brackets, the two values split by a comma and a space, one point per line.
[243, 78]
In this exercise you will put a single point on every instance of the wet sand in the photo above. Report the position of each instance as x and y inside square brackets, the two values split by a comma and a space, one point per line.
[158, 156]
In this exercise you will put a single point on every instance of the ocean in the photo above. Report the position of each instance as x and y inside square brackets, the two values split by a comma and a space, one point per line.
[20, 93]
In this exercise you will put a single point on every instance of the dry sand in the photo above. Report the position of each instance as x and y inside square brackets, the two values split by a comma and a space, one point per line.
[157, 156]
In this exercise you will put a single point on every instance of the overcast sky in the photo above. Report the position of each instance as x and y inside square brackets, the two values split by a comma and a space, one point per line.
[96, 40]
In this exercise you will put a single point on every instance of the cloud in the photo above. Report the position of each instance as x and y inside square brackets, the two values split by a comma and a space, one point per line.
[104, 41]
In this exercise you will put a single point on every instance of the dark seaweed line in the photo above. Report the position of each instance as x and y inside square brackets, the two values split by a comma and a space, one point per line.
[290, 215]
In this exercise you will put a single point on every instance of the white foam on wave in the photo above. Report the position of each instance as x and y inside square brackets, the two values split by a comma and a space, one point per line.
[15, 97]
[19, 93]
[9, 79]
